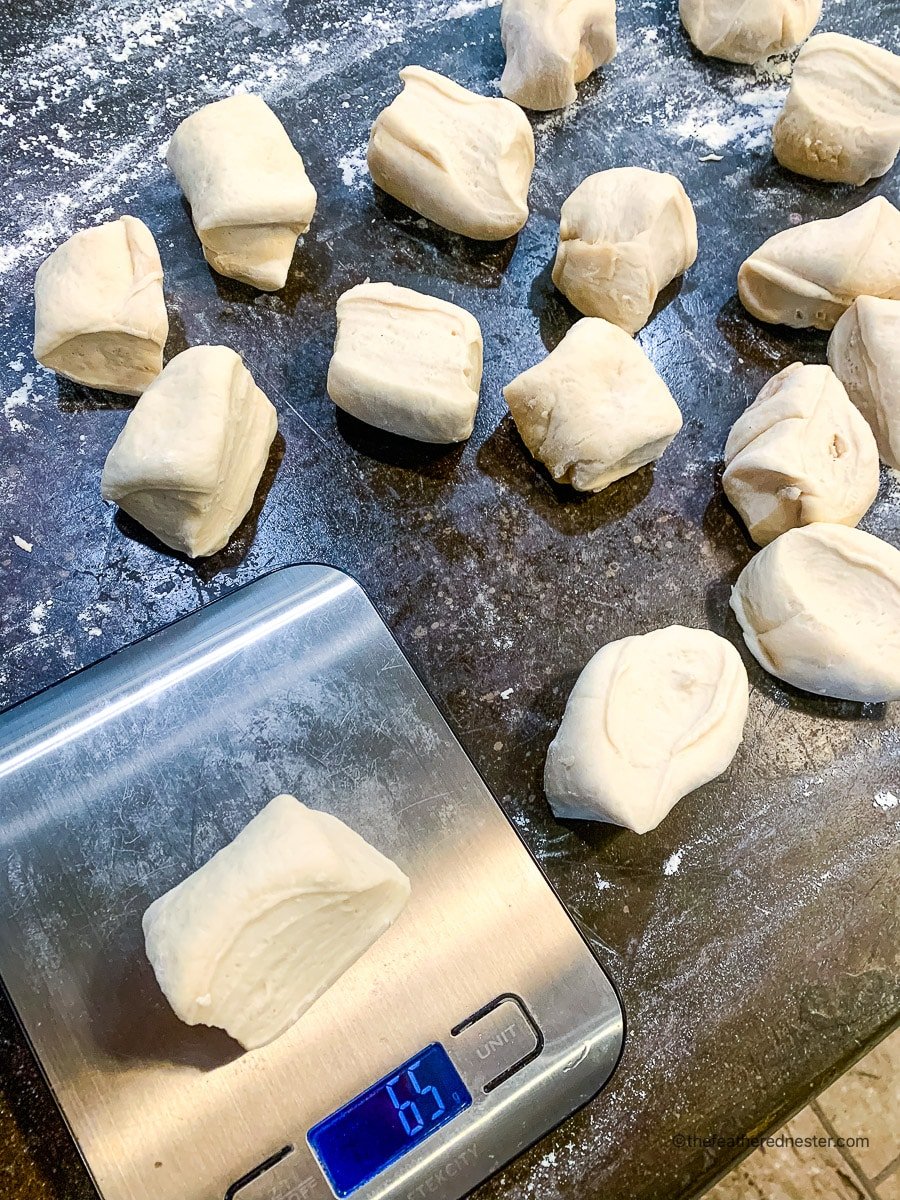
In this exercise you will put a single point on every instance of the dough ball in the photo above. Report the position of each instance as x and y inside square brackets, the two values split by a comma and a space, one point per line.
[650, 719]
[624, 235]
[252, 939]
[551, 45]
[820, 609]
[247, 187]
[810, 275]
[864, 352]
[100, 315]
[462, 160]
[406, 362]
[800, 453]
[191, 455]
[841, 118]
[748, 31]
[594, 409]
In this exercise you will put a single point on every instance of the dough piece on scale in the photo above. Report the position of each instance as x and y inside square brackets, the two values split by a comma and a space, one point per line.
[191, 455]
[406, 362]
[100, 314]
[252, 939]
[800, 453]
[864, 353]
[748, 31]
[247, 187]
[551, 45]
[650, 719]
[594, 409]
[820, 609]
[462, 160]
[624, 235]
[841, 119]
[811, 274]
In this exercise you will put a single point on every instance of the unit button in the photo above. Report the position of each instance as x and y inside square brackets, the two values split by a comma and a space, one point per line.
[495, 1042]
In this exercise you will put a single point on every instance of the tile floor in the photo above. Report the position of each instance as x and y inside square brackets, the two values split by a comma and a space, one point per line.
[864, 1103]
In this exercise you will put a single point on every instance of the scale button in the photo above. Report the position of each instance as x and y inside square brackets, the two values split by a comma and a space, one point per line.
[496, 1042]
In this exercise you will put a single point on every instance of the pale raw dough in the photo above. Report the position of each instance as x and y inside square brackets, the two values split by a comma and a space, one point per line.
[252, 939]
[624, 235]
[594, 409]
[820, 608]
[188, 462]
[650, 719]
[100, 315]
[406, 362]
[800, 453]
[811, 274]
[748, 31]
[841, 118]
[462, 160]
[247, 187]
[864, 352]
[551, 45]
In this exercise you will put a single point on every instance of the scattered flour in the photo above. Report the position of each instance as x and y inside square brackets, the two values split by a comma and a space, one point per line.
[38, 620]
[885, 801]
[113, 56]
[672, 863]
[22, 397]
[465, 8]
[91, 618]
[354, 169]
[743, 120]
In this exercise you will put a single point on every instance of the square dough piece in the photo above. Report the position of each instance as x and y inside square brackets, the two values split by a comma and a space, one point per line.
[864, 353]
[595, 408]
[551, 45]
[191, 455]
[841, 119]
[624, 235]
[406, 362]
[462, 160]
[809, 275]
[100, 313]
[247, 187]
[252, 939]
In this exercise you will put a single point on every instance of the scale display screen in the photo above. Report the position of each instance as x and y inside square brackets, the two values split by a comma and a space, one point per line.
[389, 1119]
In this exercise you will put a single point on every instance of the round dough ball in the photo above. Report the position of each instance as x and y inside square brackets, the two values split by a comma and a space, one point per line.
[810, 275]
[551, 45]
[624, 235]
[462, 160]
[747, 31]
[800, 453]
[820, 609]
[594, 409]
[841, 119]
[864, 352]
[650, 719]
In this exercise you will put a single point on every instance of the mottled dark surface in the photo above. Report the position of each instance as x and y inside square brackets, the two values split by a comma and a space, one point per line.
[754, 936]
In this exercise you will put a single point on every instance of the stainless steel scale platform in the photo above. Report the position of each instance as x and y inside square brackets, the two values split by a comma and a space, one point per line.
[117, 783]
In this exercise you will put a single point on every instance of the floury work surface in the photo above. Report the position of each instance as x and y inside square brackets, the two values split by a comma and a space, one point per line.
[754, 933]
[119, 782]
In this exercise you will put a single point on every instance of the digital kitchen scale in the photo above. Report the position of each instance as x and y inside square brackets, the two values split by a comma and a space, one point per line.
[478, 1022]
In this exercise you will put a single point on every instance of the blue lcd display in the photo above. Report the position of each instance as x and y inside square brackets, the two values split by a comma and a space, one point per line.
[393, 1116]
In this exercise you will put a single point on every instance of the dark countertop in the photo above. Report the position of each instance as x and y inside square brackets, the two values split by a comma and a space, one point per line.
[754, 935]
